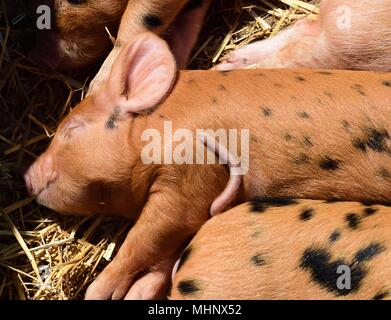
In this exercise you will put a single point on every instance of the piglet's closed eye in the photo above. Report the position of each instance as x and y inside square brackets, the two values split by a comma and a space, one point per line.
[141, 77]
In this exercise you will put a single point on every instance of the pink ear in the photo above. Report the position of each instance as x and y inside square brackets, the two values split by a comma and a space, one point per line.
[143, 74]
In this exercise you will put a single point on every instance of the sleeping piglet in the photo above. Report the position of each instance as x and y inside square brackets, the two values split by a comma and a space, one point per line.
[78, 38]
[177, 21]
[307, 134]
[290, 249]
[347, 35]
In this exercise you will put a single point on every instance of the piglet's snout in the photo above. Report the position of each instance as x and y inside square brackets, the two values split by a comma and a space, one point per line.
[40, 175]
[29, 185]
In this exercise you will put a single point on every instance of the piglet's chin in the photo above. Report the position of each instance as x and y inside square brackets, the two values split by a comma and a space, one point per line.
[60, 208]
[44, 199]
[47, 199]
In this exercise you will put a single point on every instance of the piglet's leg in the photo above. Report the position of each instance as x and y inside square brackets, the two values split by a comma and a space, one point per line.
[163, 226]
[183, 34]
[347, 35]
[139, 17]
[104, 71]
[155, 284]
[293, 47]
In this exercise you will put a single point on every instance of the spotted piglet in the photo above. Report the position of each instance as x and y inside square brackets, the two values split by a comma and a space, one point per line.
[178, 21]
[78, 38]
[290, 249]
[347, 35]
[135, 149]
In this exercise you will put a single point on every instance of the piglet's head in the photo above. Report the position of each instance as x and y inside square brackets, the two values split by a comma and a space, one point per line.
[90, 166]
[76, 36]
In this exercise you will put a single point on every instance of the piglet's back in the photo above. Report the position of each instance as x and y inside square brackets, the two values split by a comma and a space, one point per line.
[289, 249]
[313, 134]
[222, 96]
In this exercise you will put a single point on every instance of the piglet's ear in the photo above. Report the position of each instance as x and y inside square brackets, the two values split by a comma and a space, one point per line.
[142, 75]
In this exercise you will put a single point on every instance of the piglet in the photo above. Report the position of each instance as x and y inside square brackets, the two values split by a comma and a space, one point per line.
[78, 38]
[290, 249]
[178, 21]
[165, 148]
[347, 35]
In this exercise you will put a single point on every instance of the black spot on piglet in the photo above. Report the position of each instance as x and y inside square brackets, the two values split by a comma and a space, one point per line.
[329, 164]
[266, 111]
[324, 271]
[369, 252]
[332, 200]
[258, 260]
[303, 114]
[152, 21]
[188, 287]
[370, 211]
[288, 137]
[221, 87]
[260, 204]
[381, 295]
[358, 88]
[327, 73]
[307, 141]
[335, 236]
[111, 123]
[375, 140]
[387, 83]
[300, 159]
[185, 256]
[353, 220]
[306, 214]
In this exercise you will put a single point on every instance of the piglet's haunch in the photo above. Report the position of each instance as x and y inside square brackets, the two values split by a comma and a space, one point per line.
[324, 250]
[303, 143]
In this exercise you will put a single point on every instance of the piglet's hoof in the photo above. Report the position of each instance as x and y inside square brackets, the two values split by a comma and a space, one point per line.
[109, 285]
[155, 283]
[232, 62]
[153, 286]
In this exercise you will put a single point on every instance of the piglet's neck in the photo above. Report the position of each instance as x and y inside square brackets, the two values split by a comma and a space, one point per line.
[201, 98]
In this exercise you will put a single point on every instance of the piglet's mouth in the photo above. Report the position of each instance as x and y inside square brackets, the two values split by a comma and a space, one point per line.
[37, 189]
[40, 198]
[45, 198]
[36, 193]
[33, 191]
